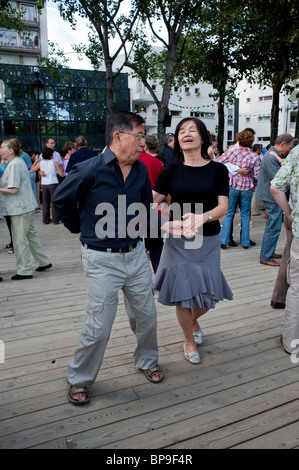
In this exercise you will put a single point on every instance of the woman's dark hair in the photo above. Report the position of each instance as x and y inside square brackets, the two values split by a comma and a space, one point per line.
[47, 153]
[205, 135]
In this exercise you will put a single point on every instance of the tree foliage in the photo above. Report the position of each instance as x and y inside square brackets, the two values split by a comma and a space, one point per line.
[107, 22]
[209, 52]
[269, 51]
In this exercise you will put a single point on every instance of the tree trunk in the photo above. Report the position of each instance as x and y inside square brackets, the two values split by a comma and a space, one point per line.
[274, 112]
[220, 137]
[109, 89]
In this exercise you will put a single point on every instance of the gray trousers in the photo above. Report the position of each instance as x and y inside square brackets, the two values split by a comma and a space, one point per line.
[106, 274]
[290, 322]
[281, 285]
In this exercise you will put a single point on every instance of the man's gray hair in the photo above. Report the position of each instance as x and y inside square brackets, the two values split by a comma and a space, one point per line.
[287, 138]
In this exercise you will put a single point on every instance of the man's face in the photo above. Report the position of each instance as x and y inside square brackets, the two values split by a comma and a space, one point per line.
[127, 146]
[286, 148]
[51, 144]
[171, 142]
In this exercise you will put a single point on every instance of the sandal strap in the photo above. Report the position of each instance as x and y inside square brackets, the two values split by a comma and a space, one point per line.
[153, 370]
[78, 390]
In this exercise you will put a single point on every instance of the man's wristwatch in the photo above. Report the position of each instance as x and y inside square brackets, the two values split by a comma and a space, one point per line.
[209, 216]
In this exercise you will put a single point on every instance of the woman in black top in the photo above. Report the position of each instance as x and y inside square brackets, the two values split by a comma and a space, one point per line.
[189, 274]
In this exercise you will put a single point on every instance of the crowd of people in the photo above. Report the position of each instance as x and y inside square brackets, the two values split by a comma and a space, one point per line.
[132, 203]
[27, 182]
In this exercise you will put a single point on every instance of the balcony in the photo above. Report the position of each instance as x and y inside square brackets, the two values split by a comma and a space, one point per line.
[12, 41]
[142, 97]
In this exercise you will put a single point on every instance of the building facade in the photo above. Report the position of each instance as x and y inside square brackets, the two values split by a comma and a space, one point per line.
[25, 47]
[187, 101]
[255, 111]
[72, 105]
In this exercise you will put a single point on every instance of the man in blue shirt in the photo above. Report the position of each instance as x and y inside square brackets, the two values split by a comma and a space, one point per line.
[83, 153]
[98, 199]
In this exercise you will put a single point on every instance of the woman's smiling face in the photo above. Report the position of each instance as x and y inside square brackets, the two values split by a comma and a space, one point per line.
[189, 137]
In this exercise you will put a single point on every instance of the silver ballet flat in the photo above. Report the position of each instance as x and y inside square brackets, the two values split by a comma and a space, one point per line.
[198, 336]
[193, 357]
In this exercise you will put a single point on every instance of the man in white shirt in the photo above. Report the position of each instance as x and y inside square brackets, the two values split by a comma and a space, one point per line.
[50, 143]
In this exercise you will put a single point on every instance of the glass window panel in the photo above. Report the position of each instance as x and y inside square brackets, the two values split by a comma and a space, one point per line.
[81, 94]
[30, 127]
[30, 39]
[101, 95]
[8, 91]
[91, 94]
[28, 91]
[49, 93]
[92, 127]
[19, 126]
[30, 13]
[17, 91]
[63, 127]
[51, 127]
[8, 37]
[43, 127]
[83, 128]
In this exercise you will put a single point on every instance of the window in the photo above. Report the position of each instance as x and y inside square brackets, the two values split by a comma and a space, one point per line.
[30, 13]
[263, 139]
[202, 115]
[8, 37]
[248, 100]
[248, 119]
[154, 86]
[265, 98]
[187, 90]
[92, 94]
[175, 113]
[49, 93]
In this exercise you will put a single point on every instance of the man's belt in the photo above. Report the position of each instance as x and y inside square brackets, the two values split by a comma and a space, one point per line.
[110, 250]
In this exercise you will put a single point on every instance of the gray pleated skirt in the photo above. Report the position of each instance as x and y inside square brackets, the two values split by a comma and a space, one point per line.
[191, 277]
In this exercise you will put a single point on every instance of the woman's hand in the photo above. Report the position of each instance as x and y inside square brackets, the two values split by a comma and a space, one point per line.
[192, 222]
[178, 229]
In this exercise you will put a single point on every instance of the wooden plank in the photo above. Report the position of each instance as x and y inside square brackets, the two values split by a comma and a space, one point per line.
[245, 386]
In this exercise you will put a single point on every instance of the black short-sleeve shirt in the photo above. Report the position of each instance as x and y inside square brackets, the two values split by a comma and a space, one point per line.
[195, 189]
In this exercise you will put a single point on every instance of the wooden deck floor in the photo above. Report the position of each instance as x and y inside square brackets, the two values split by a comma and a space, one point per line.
[245, 394]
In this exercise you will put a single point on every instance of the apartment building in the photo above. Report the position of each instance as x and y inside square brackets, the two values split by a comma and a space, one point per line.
[24, 48]
[255, 105]
[186, 101]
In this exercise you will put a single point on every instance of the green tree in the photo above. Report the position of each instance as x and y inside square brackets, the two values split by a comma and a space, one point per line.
[170, 22]
[107, 23]
[209, 53]
[269, 51]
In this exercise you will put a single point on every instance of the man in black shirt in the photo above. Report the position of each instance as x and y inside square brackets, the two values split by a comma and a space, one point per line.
[168, 155]
[96, 199]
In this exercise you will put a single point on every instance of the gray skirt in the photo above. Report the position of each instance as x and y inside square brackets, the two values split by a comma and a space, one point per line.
[191, 277]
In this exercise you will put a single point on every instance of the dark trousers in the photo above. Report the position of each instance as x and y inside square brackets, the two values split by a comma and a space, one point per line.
[154, 246]
[48, 191]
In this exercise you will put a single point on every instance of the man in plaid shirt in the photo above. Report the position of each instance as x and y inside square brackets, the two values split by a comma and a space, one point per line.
[241, 185]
